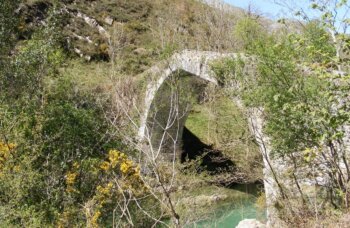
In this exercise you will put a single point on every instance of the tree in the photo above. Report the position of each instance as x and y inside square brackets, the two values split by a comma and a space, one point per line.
[303, 88]
[59, 134]
[332, 15]
[8, 25]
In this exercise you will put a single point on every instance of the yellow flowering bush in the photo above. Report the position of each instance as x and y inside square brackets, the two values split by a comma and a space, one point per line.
[129, 172]
[105, 166]
[121, 174]
[94, 220]
[105, 191]
[71, 177]
[5, 152]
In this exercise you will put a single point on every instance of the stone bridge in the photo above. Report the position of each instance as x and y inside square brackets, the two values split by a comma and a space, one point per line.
[196, 65]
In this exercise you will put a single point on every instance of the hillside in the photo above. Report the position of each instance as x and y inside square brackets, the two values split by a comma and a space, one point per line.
[139, 32]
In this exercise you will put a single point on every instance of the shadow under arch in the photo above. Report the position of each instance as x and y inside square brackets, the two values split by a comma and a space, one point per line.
[166, 120]
[168, 113]
[212, 160]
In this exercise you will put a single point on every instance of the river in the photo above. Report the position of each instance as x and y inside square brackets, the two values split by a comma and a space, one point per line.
[229, 214]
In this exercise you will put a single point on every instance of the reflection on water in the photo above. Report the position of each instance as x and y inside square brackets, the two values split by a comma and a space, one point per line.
[229, 214]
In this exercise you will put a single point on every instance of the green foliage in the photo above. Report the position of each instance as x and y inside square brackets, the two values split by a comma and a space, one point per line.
[317, 41]
[8, 25]
[64, 134]
[298, 104]
[56, 119]
[292, 99]
[59, 132]
[226, 71]
[168, 51]
[247, 31]
[35, 59]
[301, 95]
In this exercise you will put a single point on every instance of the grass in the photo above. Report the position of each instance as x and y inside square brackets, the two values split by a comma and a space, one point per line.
[217, 121]
[223, 124]
[93, 76]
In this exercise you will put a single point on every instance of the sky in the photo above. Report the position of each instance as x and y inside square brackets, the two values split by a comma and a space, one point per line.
[266, 7]
[263, 6]
[271, 10]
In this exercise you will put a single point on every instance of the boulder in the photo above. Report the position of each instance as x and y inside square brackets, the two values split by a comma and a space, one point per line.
[250, 223]
[109, 20]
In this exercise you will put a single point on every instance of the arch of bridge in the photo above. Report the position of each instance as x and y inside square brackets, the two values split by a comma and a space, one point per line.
[195, 63]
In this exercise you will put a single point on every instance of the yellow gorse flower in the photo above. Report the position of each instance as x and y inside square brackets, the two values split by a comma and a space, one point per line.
[126, 166]
[105, 166]
[95, 217]
[115, 158]
[130, 174]
[105, 190]
[127, 179]
[70, 178]
[5, 152]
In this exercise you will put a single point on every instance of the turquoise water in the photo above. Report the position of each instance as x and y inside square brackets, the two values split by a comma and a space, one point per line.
[228, 215]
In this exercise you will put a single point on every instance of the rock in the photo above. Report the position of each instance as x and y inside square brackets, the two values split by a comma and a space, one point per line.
[204, 200]
[90, 21]
[250, 223]
[140, 51]
[345, 219]
[109, 20]
[216, 198]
